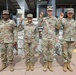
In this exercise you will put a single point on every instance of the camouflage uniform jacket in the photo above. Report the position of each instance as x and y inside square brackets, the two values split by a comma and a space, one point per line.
[30, 31]
[8, 31]
[69, 29]
[49, 28]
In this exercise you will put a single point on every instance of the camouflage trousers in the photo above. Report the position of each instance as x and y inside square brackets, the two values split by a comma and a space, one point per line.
[67, 49]
[29, 49]
[48, 49]
[6, 53]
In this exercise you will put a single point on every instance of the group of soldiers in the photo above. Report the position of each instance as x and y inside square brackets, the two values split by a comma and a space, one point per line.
[8, 39]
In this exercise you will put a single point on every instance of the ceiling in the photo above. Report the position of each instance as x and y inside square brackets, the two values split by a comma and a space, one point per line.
[12, 5]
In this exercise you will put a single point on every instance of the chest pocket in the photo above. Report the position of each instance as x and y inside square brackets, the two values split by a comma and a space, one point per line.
[50, 25]
[68, 27]
[8, 27]
[30, 29]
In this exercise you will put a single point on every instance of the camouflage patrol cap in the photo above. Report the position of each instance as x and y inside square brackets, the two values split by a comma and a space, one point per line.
[49, 8]
[30, 15]
[5, 12]
[70, 10]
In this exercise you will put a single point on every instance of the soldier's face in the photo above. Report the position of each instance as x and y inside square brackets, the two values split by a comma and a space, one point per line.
[70, 15]
[29, 19]
[49, 12]
[5, 16]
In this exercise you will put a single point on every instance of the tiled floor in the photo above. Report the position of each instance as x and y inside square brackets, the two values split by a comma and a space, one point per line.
[19, 66]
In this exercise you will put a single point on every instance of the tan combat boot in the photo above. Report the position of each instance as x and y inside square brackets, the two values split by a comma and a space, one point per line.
[11, 67]
[31, 67]
[3, 67]
[28, 67]
[69, 67]
[65, 67]
[45, 66]
[50, 66]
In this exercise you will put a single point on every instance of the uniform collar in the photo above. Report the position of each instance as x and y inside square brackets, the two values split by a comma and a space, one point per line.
[5, 20]
[70, 19]
[49, 16]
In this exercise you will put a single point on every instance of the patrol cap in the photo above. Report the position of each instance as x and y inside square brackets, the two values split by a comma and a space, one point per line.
[49, 8]
[5, 12]
[30, 15]
[70, 10]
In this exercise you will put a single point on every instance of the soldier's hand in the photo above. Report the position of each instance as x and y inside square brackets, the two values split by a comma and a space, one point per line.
[61, 15]
[15, 43]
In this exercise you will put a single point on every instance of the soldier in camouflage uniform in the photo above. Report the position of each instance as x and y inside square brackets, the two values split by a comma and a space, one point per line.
[48, 39]
[69, 37]
[30, 41]
[8, 39]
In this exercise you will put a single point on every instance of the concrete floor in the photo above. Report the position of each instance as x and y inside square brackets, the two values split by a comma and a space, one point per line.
[19, 66]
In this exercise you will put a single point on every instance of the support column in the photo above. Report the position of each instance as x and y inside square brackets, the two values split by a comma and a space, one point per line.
[37, 10]
[7, 4]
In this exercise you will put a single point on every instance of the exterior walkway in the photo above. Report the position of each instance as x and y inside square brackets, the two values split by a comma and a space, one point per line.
[19, 66]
